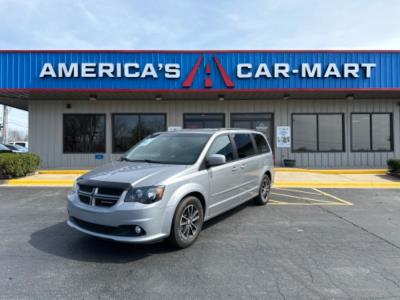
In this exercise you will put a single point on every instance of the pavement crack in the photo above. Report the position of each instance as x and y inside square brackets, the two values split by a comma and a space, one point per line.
[359, 227]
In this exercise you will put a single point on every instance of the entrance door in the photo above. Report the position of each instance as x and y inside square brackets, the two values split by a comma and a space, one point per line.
[196, 121]
[263, 122]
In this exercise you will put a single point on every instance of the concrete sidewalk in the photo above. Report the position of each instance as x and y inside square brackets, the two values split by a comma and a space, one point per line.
[284, 178]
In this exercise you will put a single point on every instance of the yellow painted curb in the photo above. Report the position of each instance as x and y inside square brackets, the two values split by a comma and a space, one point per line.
[313, 184]
[33, 182]
[337, 171]
[290, 170]
[61, 172]
[292, 184]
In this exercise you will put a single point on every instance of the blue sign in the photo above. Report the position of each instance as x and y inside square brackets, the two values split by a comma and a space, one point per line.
[99, 156]
[198, 70]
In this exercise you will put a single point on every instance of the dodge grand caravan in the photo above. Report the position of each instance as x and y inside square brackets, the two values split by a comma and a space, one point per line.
[168, 184]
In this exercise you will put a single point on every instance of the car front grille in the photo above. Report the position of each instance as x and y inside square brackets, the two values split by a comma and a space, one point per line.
[99, 196]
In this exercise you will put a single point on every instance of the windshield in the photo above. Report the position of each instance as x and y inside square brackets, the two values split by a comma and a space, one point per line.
[169, 148]
[2, 147]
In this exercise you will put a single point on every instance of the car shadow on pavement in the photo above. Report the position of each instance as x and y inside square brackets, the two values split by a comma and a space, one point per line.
[63, 241]
[60, 240]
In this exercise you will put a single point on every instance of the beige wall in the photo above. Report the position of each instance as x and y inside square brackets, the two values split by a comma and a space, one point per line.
[45, 126]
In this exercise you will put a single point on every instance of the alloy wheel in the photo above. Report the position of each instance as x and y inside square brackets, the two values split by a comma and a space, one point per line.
[189, 222]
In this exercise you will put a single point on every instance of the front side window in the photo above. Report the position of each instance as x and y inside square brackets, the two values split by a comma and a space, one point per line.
[169, 148]
[128, 129]
[84, 133]
[371, 132]
[197, 121]
[222, 145]
[318, 132]
[244, 145]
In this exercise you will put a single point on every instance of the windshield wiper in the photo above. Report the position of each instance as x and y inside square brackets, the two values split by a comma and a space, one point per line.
[124, 158]
[143, 160]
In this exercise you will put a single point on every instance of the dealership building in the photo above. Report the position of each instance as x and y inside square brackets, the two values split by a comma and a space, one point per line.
[324, 109]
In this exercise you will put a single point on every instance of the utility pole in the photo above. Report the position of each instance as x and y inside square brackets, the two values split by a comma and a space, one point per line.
[5, 124]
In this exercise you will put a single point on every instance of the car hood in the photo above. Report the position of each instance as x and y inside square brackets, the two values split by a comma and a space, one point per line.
[135, 173]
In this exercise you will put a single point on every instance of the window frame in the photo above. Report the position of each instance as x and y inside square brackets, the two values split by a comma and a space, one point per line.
[317, 134]
[272, 142]
[84, 114]
[132, 114]
[370, 132]
[194, 114]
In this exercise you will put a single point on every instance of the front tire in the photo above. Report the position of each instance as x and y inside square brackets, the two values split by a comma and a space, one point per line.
[264, 191]
[187, 222]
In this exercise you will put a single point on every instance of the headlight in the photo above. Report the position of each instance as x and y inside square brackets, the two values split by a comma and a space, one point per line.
[75, 187]
[145, 195]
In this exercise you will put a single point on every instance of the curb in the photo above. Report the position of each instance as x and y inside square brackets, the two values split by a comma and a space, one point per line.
[33, 182]
[343, 185]
[289, 184]
[62, 172]
[334, 171]
[289, 170]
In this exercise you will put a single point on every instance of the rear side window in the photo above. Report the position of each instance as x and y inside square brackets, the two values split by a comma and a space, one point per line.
[244, 145]
[261, 143]
[222, 145]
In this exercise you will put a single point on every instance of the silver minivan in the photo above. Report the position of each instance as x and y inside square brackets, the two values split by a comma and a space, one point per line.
[168, 184]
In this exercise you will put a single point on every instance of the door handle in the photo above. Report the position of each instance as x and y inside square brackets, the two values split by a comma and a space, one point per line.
[234, 169]
[242, 166]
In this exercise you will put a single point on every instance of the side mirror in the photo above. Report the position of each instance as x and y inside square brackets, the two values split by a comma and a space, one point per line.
[215, 160]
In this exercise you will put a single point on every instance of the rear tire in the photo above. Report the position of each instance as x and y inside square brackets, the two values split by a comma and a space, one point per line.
[187, 222]
[264, 191]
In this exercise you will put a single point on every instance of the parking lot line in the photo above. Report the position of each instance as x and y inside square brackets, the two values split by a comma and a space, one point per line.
[334, 197]
[300, 197]
[296, 190]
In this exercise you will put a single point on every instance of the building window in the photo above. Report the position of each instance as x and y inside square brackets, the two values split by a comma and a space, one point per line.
[371, 132]
[195, 121]
[263, 122]
[128, 129]
[84, 133]
[318, 132]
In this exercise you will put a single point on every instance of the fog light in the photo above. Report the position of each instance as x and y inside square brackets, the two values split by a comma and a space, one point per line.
[138, 230]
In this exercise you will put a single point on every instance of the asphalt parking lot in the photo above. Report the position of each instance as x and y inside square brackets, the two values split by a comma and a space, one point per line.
[306, 244]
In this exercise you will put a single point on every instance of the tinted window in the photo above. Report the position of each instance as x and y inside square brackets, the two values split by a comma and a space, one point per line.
[84, 133]
[195, 121]
[169, 148]
[244, 145]
[371, 132]
[222, 145]
[261, 143]
[360, 132]
[304, 132]
[128, 129]
[381, 133]
[330, 132]
[317, 132]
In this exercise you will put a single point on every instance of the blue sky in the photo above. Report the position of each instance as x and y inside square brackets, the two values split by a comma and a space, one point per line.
[189, 24]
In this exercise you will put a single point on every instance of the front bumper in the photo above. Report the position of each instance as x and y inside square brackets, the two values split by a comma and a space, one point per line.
[151, 218]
